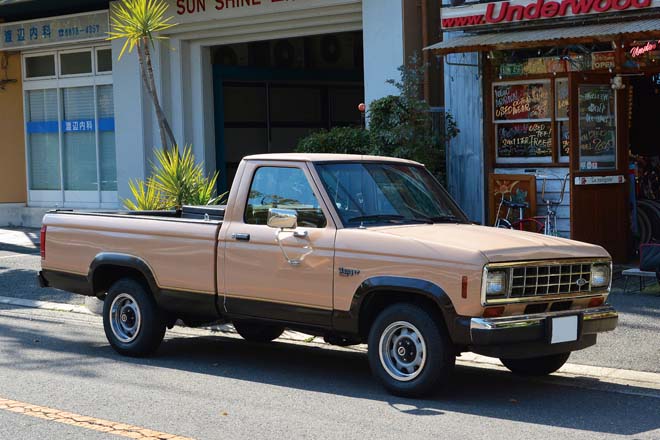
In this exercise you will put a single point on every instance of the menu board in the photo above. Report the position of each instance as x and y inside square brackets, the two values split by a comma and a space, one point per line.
[526, 139]
[522, 101]
[562, 100]
[597, 127]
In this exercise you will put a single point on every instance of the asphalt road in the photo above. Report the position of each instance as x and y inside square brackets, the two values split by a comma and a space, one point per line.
[219, 387]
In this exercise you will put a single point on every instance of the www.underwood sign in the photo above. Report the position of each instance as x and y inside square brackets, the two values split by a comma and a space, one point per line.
[517, 11]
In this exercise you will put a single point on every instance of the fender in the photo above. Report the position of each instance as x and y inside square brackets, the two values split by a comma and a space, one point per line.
[123, 260]
[348, 321]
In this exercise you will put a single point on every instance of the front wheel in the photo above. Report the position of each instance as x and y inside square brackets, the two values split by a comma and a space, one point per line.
[410, 352]
[538, 366]
[132, 321]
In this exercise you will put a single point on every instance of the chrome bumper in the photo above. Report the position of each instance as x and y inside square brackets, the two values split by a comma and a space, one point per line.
[539, 319]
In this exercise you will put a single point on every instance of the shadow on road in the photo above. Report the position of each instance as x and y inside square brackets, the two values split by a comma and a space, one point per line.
[477, 391]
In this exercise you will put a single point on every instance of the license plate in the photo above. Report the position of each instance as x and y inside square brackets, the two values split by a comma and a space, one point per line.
[564, 329]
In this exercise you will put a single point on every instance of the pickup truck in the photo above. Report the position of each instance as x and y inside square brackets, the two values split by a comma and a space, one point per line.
[355, 249]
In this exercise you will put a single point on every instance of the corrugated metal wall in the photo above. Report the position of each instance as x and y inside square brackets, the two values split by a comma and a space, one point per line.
[465, 153]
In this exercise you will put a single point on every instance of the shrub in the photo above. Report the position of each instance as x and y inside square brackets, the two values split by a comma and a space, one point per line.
[176, 180]
[345, 140]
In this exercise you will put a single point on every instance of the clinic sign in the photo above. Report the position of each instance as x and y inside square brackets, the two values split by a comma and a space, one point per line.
[527, 11]
[54, 30]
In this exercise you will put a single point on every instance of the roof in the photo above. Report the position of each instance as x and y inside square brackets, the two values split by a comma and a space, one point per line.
[531, 38]
[323, 157]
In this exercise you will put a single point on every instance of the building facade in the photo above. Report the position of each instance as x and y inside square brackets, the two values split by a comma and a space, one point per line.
[549, 91]
[234, 77]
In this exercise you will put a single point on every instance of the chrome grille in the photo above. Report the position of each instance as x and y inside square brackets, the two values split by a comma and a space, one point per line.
[550, 279]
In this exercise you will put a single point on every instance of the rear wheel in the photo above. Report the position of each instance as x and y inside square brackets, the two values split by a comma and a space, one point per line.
[410, 352]
[257, 332]
[538, 366]
[132, 321]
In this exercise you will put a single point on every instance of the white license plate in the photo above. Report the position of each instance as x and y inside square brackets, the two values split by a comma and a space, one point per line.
[564, 329]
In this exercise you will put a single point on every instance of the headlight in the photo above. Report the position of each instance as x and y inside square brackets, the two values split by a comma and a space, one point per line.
[600, 275]
[496, 283]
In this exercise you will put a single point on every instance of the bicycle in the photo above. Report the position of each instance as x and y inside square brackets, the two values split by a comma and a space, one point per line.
[542, 224]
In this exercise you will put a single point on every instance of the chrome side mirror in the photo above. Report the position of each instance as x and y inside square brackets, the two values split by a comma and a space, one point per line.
[282, 218]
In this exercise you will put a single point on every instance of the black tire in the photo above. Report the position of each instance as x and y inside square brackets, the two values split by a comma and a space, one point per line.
[439, 356]
[257, 332]
[538, 366]
[124, 298]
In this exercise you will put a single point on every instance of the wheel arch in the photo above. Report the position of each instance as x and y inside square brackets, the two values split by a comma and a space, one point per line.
[376, 293]
[107, 268]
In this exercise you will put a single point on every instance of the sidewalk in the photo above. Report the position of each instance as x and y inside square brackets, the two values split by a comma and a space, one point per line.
[21, 240]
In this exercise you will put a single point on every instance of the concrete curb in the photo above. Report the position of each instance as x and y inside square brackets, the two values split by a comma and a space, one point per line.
[648, 383]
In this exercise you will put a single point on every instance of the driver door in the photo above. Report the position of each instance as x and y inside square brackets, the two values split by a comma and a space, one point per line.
[280, 274]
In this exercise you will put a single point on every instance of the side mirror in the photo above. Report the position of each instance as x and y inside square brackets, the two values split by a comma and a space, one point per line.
[282, 218]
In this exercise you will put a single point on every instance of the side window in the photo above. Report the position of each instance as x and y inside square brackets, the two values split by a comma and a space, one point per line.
[285, 188]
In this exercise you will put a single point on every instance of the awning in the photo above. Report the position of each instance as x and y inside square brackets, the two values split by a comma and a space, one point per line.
[533, 38]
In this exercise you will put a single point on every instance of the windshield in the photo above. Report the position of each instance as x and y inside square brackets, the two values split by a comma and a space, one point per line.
[387, 193]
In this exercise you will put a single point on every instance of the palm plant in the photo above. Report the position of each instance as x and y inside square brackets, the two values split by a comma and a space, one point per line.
[176, 181]
[139, 22]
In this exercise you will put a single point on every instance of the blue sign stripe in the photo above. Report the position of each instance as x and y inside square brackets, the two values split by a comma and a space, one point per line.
[42, 127]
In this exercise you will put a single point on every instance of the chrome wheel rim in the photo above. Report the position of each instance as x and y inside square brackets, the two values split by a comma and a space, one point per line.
[402, 351]
[125, 318]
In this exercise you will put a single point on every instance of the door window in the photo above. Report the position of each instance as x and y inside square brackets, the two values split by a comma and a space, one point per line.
[283, 188]
[597, 124]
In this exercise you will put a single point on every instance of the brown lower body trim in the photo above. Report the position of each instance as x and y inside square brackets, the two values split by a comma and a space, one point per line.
[66, 281]
[272, 311]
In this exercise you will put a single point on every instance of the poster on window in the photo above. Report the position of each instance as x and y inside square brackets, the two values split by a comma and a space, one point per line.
[521, 101]
[597, 124]
[526, 139]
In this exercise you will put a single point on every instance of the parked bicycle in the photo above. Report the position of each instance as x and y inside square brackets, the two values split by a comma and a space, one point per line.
[542, 224]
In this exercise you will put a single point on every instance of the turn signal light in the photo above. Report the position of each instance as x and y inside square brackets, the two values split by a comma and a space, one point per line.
[595, 302]
[493, 312]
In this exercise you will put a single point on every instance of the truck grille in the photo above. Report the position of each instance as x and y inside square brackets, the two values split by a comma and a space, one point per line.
[551, 279]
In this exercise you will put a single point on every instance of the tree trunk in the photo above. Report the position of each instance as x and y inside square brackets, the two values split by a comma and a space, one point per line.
[146, 69]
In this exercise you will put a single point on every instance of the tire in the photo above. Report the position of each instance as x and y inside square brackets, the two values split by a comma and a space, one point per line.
[132, 321]
[257, 332]
[427, 356]
[538, 366]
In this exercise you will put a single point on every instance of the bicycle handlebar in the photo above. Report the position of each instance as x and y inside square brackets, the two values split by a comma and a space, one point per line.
[563, 190]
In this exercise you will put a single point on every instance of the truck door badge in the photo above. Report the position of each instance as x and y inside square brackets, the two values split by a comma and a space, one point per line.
[345, 272]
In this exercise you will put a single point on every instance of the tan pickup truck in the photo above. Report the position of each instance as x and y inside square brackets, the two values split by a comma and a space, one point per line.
[352, 248]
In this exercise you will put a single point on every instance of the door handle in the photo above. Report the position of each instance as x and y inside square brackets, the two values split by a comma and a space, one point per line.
[241, 237]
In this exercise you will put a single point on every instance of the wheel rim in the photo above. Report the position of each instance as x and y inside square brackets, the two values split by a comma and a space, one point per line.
[125, 318]
[402, 351]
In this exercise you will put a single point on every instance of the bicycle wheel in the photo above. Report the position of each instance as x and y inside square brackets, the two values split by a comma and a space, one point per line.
[529, 224]
[503, 223]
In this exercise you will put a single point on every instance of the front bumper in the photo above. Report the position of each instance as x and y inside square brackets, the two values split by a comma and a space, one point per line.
[529, 335]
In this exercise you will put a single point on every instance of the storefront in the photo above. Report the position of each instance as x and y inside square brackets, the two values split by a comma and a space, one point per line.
[564, 88]
[246, 77]
[67, 122]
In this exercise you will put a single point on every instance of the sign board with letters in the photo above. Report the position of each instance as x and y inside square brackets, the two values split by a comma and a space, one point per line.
[476, 15]
[599, 180]
[54, 30]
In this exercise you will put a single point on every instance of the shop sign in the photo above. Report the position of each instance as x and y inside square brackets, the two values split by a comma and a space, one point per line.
[520, 11]
[192, 11]
[599, 180]
[54, 30]
[603, 60]
[642, 49]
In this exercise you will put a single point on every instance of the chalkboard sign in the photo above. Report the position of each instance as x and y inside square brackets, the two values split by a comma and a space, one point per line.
[597, 127]
[521, 101]
[526, 139]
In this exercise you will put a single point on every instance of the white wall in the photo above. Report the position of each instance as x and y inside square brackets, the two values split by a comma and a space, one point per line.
[382, 22]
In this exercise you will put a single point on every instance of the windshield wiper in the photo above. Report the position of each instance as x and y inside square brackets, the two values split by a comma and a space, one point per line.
[446, 219]
[389, 217]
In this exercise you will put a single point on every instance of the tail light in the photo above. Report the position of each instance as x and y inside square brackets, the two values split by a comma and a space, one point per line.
[42, 242]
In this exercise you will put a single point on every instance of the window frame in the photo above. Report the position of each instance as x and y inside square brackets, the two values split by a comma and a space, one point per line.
[89, 50]
[95, 61]
[310, 182]
[92, 199]
[37, 55]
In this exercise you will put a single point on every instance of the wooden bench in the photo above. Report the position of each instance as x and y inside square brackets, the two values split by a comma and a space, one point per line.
[641, 274]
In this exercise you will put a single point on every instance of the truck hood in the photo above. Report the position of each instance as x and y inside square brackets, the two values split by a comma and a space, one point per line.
[495, 244]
